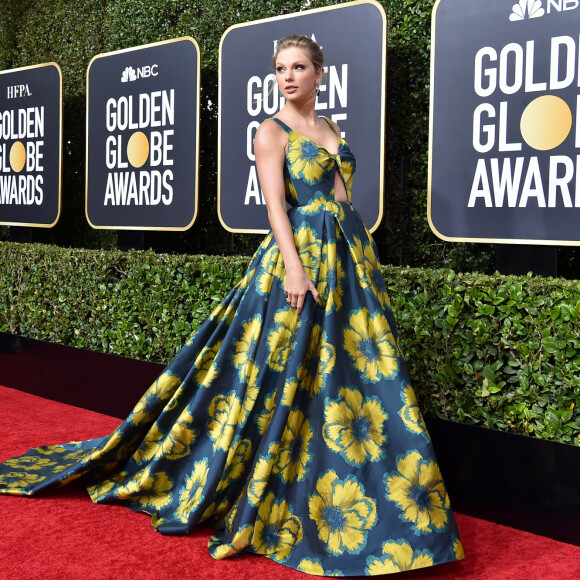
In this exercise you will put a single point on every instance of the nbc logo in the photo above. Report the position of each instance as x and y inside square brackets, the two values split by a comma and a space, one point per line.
[527, 9]
[128, 75]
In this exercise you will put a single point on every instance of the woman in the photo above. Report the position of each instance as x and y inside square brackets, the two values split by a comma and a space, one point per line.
[288, 420]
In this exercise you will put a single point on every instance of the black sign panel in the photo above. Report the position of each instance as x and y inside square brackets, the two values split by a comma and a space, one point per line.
[142, 137]
[352, 93]
[30, 145]
[505, 132]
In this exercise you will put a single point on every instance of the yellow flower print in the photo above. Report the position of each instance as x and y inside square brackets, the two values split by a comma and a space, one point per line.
[357, 252]
[252, 390]
[217, 510]
[222, 313]
[263, 419]
[72, 458]
[191, 494]
[127, 449]
[98, 490]
[100, 452]
[342, 513]
[261, 475]
[290, 387]
[314, 567]
[15, 482]
[206, 369]
[71, 477]
[272, 268]
[146, 488]
[330, 278]
[277, 530]
[173, 445]
[293, 456]
[231, 516]
[318, 363]
[323, 203]
[410, 413]
[309, 249]
[354, 426]
[291, 191]
[368, 269]
[347, 169]
[398, 557]
[370, 343]
[248, 277]
[246, 346]
[224, 413]
[240, 541]
[238, 455]
[457, 549]
[281, 338]
[29, 462]
[161, 390]
[50, 449]
[308, 161]
[418, 489]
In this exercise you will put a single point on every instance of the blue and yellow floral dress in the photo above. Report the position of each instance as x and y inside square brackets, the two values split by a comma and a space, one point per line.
[298, 438]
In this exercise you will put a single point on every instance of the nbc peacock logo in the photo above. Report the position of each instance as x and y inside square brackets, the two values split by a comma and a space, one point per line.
[128, 75]
[526, 9]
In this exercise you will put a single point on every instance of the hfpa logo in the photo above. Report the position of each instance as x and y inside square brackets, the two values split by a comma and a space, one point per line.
[526, 9]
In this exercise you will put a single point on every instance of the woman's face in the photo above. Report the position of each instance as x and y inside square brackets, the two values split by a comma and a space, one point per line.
[296, 74]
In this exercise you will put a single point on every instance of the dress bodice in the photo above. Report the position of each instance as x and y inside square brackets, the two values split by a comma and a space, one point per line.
[310, 169]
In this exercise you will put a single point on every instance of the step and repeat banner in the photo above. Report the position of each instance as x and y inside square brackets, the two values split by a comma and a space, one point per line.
[30, 145]
[143, 137]
[505, 121]
[352, 93]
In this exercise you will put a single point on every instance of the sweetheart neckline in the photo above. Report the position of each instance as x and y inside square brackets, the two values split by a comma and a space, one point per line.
[340, 140]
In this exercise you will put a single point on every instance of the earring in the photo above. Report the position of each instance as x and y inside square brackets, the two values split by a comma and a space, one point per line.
[317, 89]
[279, 93]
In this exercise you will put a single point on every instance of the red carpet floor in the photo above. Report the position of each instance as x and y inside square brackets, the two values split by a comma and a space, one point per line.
[64, 535]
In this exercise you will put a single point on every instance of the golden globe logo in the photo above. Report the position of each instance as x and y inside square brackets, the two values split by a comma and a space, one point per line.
[140, 133]
[22, 150]
[506, 174]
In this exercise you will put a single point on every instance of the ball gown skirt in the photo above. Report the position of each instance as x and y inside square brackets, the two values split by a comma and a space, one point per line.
[296, 437]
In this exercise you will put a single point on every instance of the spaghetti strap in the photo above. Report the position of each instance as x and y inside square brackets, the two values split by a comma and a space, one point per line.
[282, 124]
[332, 126]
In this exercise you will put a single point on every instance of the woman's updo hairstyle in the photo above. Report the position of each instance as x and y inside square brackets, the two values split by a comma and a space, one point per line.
[306, 44]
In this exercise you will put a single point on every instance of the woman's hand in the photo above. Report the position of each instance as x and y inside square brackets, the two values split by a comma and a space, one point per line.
[297, 286]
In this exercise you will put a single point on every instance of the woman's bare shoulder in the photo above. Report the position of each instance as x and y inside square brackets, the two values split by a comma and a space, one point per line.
[270, 134]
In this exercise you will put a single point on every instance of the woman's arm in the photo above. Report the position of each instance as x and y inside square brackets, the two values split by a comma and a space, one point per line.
[270, 149]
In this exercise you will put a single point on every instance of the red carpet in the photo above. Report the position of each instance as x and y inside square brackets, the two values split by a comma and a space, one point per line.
[64, 535]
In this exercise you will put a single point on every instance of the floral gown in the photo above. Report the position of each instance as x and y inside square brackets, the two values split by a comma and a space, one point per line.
[298, 438]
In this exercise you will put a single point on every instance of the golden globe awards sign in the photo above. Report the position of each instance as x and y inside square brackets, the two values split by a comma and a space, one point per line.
[142, 137]
[30, 145]
[505, 121]
[352, 93]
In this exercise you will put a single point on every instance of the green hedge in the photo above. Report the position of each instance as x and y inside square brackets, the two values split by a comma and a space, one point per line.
[501, 351]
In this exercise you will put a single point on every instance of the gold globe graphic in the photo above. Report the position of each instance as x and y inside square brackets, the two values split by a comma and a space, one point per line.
[546, 122]
[17, 157]
[138, 149]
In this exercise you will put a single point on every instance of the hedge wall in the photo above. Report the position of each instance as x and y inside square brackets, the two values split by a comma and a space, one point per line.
[503, 352]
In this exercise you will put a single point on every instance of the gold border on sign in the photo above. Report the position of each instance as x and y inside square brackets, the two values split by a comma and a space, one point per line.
[59, 208]
[196, 185]
[536, 242]
[383, 105]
